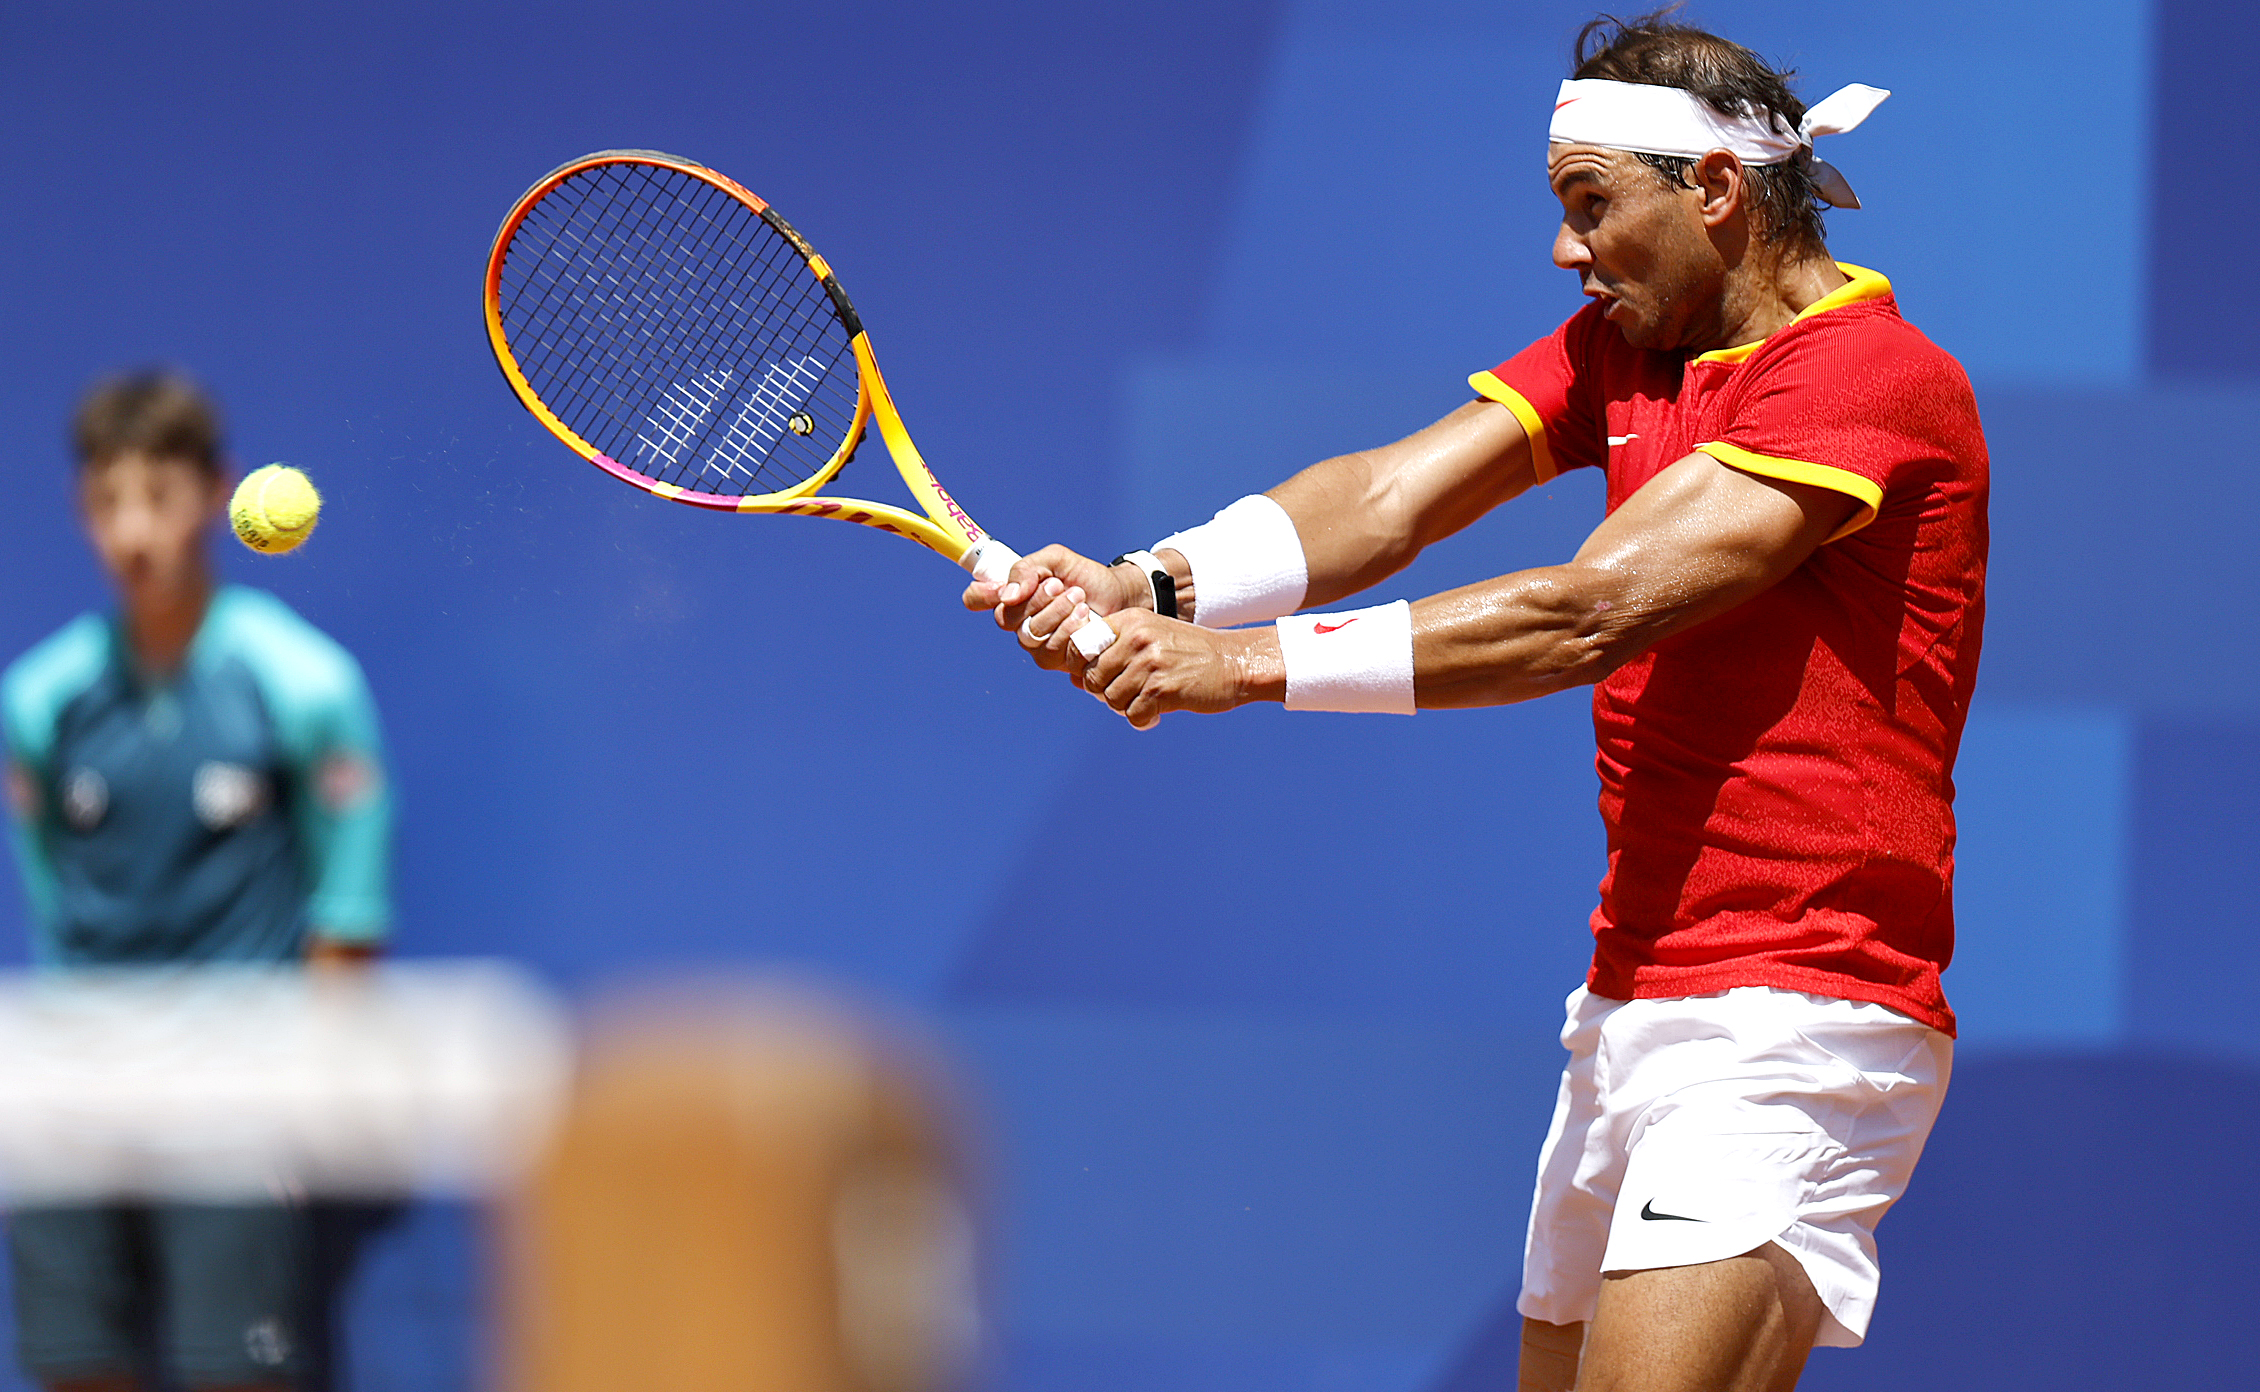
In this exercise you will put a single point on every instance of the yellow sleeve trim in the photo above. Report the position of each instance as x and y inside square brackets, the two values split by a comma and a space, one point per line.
[1863, 490]
[1488, 386]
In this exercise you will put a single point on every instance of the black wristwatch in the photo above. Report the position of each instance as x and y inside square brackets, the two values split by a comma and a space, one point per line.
[1157, 575]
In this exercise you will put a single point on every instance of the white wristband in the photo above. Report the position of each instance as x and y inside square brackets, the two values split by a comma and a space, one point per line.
[1247, 564]
[1358, 661]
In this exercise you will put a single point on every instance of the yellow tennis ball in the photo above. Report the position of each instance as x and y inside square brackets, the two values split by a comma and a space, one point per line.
[274, 508]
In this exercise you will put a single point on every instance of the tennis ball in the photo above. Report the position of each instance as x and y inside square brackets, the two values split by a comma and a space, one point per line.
[274, 508]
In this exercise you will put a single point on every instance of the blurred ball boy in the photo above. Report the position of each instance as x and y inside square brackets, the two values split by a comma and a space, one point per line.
[195, 779]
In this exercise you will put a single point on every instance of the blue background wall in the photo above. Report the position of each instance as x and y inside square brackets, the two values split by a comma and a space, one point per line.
[1265, 1103]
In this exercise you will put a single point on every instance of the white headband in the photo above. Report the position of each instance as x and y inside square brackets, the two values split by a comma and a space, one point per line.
[1654, 120]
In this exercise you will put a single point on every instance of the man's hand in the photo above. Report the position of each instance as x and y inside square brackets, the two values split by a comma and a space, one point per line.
[1156, 665]
[326, 955]
[1042, 590]
[1017, 597]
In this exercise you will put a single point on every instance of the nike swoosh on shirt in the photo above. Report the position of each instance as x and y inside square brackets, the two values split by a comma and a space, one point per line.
[1648, 1211]
[1329, 628]
[1615, 440]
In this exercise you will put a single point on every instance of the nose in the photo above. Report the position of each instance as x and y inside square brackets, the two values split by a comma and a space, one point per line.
[133, 524]
[133, 534]
[1570, 251]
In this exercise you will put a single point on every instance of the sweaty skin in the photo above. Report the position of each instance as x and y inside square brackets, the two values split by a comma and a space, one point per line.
[1694, 542]
[1677, 269]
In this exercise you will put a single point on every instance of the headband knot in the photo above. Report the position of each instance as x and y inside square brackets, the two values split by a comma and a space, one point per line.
[1652, 120]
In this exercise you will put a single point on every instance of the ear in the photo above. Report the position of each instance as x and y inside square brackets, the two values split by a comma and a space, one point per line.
[1724, 185]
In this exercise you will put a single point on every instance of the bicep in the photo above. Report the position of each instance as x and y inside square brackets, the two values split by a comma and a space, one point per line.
[1362, 517]
[1700, 538]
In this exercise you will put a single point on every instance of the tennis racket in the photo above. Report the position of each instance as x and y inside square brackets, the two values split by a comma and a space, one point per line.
[669, 326]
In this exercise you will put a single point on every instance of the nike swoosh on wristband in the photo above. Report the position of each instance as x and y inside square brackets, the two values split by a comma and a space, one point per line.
[1648, 1211]
[1329, 628]
[1615, 440]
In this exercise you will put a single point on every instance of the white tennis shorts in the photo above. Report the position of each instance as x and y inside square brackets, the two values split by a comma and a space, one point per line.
[1698, 1128]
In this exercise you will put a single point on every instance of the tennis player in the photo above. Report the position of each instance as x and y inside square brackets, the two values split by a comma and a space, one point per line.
[194, 779]
[1780, 619]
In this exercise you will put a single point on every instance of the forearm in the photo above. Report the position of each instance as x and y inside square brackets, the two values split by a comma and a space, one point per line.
[1355, 526]
[1506, 640]
[1522, 636]
[327, 953]
[1360, 518]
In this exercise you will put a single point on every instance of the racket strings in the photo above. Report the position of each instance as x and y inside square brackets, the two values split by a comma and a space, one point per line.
[592, 339]
[673, 424]
[625, 355]
[670, 326]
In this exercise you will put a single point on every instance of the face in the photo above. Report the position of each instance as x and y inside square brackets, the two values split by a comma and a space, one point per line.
[146, 515]
[1640, 247]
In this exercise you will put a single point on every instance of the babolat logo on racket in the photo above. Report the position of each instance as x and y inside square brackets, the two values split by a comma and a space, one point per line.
[949, 505]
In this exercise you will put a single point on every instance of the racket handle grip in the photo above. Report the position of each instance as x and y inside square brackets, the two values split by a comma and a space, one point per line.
[991, 560]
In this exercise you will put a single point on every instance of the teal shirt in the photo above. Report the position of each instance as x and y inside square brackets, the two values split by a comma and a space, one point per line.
[213, 817]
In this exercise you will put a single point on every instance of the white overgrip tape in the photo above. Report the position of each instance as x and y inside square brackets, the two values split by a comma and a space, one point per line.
[1248, 563]
[989, 559]
[1358, 661]
[1094, 637]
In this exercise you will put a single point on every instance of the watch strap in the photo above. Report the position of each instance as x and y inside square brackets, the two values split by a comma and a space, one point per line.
[1157, 576]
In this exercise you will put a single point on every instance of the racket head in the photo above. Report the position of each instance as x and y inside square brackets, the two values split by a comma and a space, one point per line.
[671, 328]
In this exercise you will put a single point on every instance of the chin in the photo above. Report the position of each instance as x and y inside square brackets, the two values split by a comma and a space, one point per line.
[1652, 337]
[1642, 336]
[153, 586]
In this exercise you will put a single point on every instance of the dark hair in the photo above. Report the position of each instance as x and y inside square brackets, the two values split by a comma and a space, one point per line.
[154, 411]
[1654, 49]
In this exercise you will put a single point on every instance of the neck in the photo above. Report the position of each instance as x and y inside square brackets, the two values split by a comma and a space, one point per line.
[1763, 294]
[159, 628]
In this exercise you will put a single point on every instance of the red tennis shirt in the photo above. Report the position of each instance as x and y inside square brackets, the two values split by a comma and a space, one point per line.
[1777, 782]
